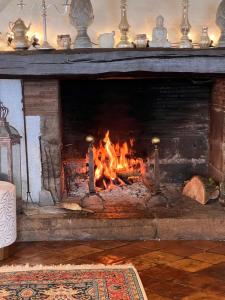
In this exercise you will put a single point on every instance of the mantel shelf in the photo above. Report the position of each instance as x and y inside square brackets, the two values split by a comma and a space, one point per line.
[101, 62]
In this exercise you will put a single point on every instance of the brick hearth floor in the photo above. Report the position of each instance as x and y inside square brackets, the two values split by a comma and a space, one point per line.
[180, 270]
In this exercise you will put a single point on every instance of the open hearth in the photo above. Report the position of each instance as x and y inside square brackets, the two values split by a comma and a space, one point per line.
[123, 117]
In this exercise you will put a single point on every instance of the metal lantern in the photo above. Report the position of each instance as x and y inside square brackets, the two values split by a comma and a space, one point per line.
[9, 149]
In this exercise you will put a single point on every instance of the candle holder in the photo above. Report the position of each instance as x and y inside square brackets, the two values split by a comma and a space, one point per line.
[185, 27]
[124, 27]
[45, 45]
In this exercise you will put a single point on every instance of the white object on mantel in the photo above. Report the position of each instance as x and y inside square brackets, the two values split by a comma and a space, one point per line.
[8, 229]
[159, 35]
[220, 21]
[81, 17]
[107, 40]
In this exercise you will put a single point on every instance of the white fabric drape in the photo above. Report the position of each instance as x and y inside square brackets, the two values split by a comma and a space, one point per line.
[8, 230]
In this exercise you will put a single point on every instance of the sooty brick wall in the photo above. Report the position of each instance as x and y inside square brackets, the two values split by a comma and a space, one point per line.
[177, 110]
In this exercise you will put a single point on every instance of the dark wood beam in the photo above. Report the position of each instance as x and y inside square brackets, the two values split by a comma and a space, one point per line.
[89, 62]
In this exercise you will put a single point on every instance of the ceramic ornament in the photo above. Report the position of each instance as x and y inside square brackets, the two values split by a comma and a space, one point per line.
[81, 17]
[159, 35]
[220, 21]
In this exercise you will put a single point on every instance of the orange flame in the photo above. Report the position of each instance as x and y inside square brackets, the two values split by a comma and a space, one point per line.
[112, 160]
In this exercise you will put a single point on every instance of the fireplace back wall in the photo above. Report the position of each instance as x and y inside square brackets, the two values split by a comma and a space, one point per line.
[176, 110]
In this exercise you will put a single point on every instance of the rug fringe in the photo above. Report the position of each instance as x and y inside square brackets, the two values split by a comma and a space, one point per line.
[28, 267]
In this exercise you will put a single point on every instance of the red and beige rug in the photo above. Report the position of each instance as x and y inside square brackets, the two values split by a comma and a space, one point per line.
[71, 283]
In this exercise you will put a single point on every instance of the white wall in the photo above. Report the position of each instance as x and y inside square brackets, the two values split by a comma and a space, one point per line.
[34, 159]
[141, 14]
[11, 95]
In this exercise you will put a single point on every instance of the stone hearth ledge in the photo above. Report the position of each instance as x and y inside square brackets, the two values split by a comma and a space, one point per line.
[189, 222]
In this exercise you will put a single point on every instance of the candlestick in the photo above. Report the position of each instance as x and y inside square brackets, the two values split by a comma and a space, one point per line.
[45, 44]
[124, 27]
[185, 27]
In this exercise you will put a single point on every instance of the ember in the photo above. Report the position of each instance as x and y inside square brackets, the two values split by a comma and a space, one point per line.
[115, 164]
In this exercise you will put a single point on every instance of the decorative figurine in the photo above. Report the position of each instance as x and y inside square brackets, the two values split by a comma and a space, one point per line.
[220, 21]
[205, 41]
[185, 27]
[159, 35]
[19, 30]
[107, 40]
[64, 41]
[35, 45]
[124, 27]
[81, 17]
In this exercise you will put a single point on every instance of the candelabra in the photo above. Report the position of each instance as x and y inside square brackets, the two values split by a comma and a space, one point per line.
[44, 8]
[185, 27]
[124, 27]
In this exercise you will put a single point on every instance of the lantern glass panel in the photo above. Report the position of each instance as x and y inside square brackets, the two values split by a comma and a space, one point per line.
[17, 169]
[4, 167]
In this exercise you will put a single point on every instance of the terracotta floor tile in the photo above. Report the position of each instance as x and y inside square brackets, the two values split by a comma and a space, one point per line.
[105, 245]
[171, 290]
[80, 251]
[204, 245]
[153, 296]
[206, 283]
[204, 296]
[218, 250]
[102, 258]
[189, 265]
[149, 245]
[168, 244]
[160, 257]
[215, 271]
[161, 273]
[211, 258]
[127, 251]
[142, 262]
[182, 250]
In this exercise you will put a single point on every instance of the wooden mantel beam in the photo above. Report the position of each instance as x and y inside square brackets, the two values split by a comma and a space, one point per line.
[91, 62]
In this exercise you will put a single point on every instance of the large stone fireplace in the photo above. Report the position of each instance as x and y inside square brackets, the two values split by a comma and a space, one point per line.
[92, 124]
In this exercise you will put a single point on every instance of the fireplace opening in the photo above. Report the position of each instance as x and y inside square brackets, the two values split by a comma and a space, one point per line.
[126, 138]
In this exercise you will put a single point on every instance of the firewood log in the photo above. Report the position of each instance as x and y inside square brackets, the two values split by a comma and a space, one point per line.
[201, 189]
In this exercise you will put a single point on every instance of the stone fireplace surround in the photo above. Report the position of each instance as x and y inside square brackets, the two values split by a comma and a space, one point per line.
[41, 75]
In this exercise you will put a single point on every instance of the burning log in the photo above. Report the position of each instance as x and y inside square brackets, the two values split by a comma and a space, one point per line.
[202, 190]
[102, 182]
[129, 177]
[115, 164]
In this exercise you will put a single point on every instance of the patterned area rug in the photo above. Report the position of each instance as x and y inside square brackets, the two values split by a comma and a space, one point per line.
[71, 282]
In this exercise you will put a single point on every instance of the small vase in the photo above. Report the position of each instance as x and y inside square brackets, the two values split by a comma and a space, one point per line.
[205, 40]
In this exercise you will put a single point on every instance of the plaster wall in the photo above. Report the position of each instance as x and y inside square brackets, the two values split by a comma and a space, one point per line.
[141, 16]
[11, 95]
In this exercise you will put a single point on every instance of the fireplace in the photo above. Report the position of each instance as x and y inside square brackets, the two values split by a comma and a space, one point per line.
[123, 116]
[110, 108]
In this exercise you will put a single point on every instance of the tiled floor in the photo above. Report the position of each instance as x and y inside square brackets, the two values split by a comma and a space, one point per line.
[180, 270]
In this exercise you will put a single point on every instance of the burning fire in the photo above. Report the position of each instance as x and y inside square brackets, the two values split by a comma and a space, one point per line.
[115, 164]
